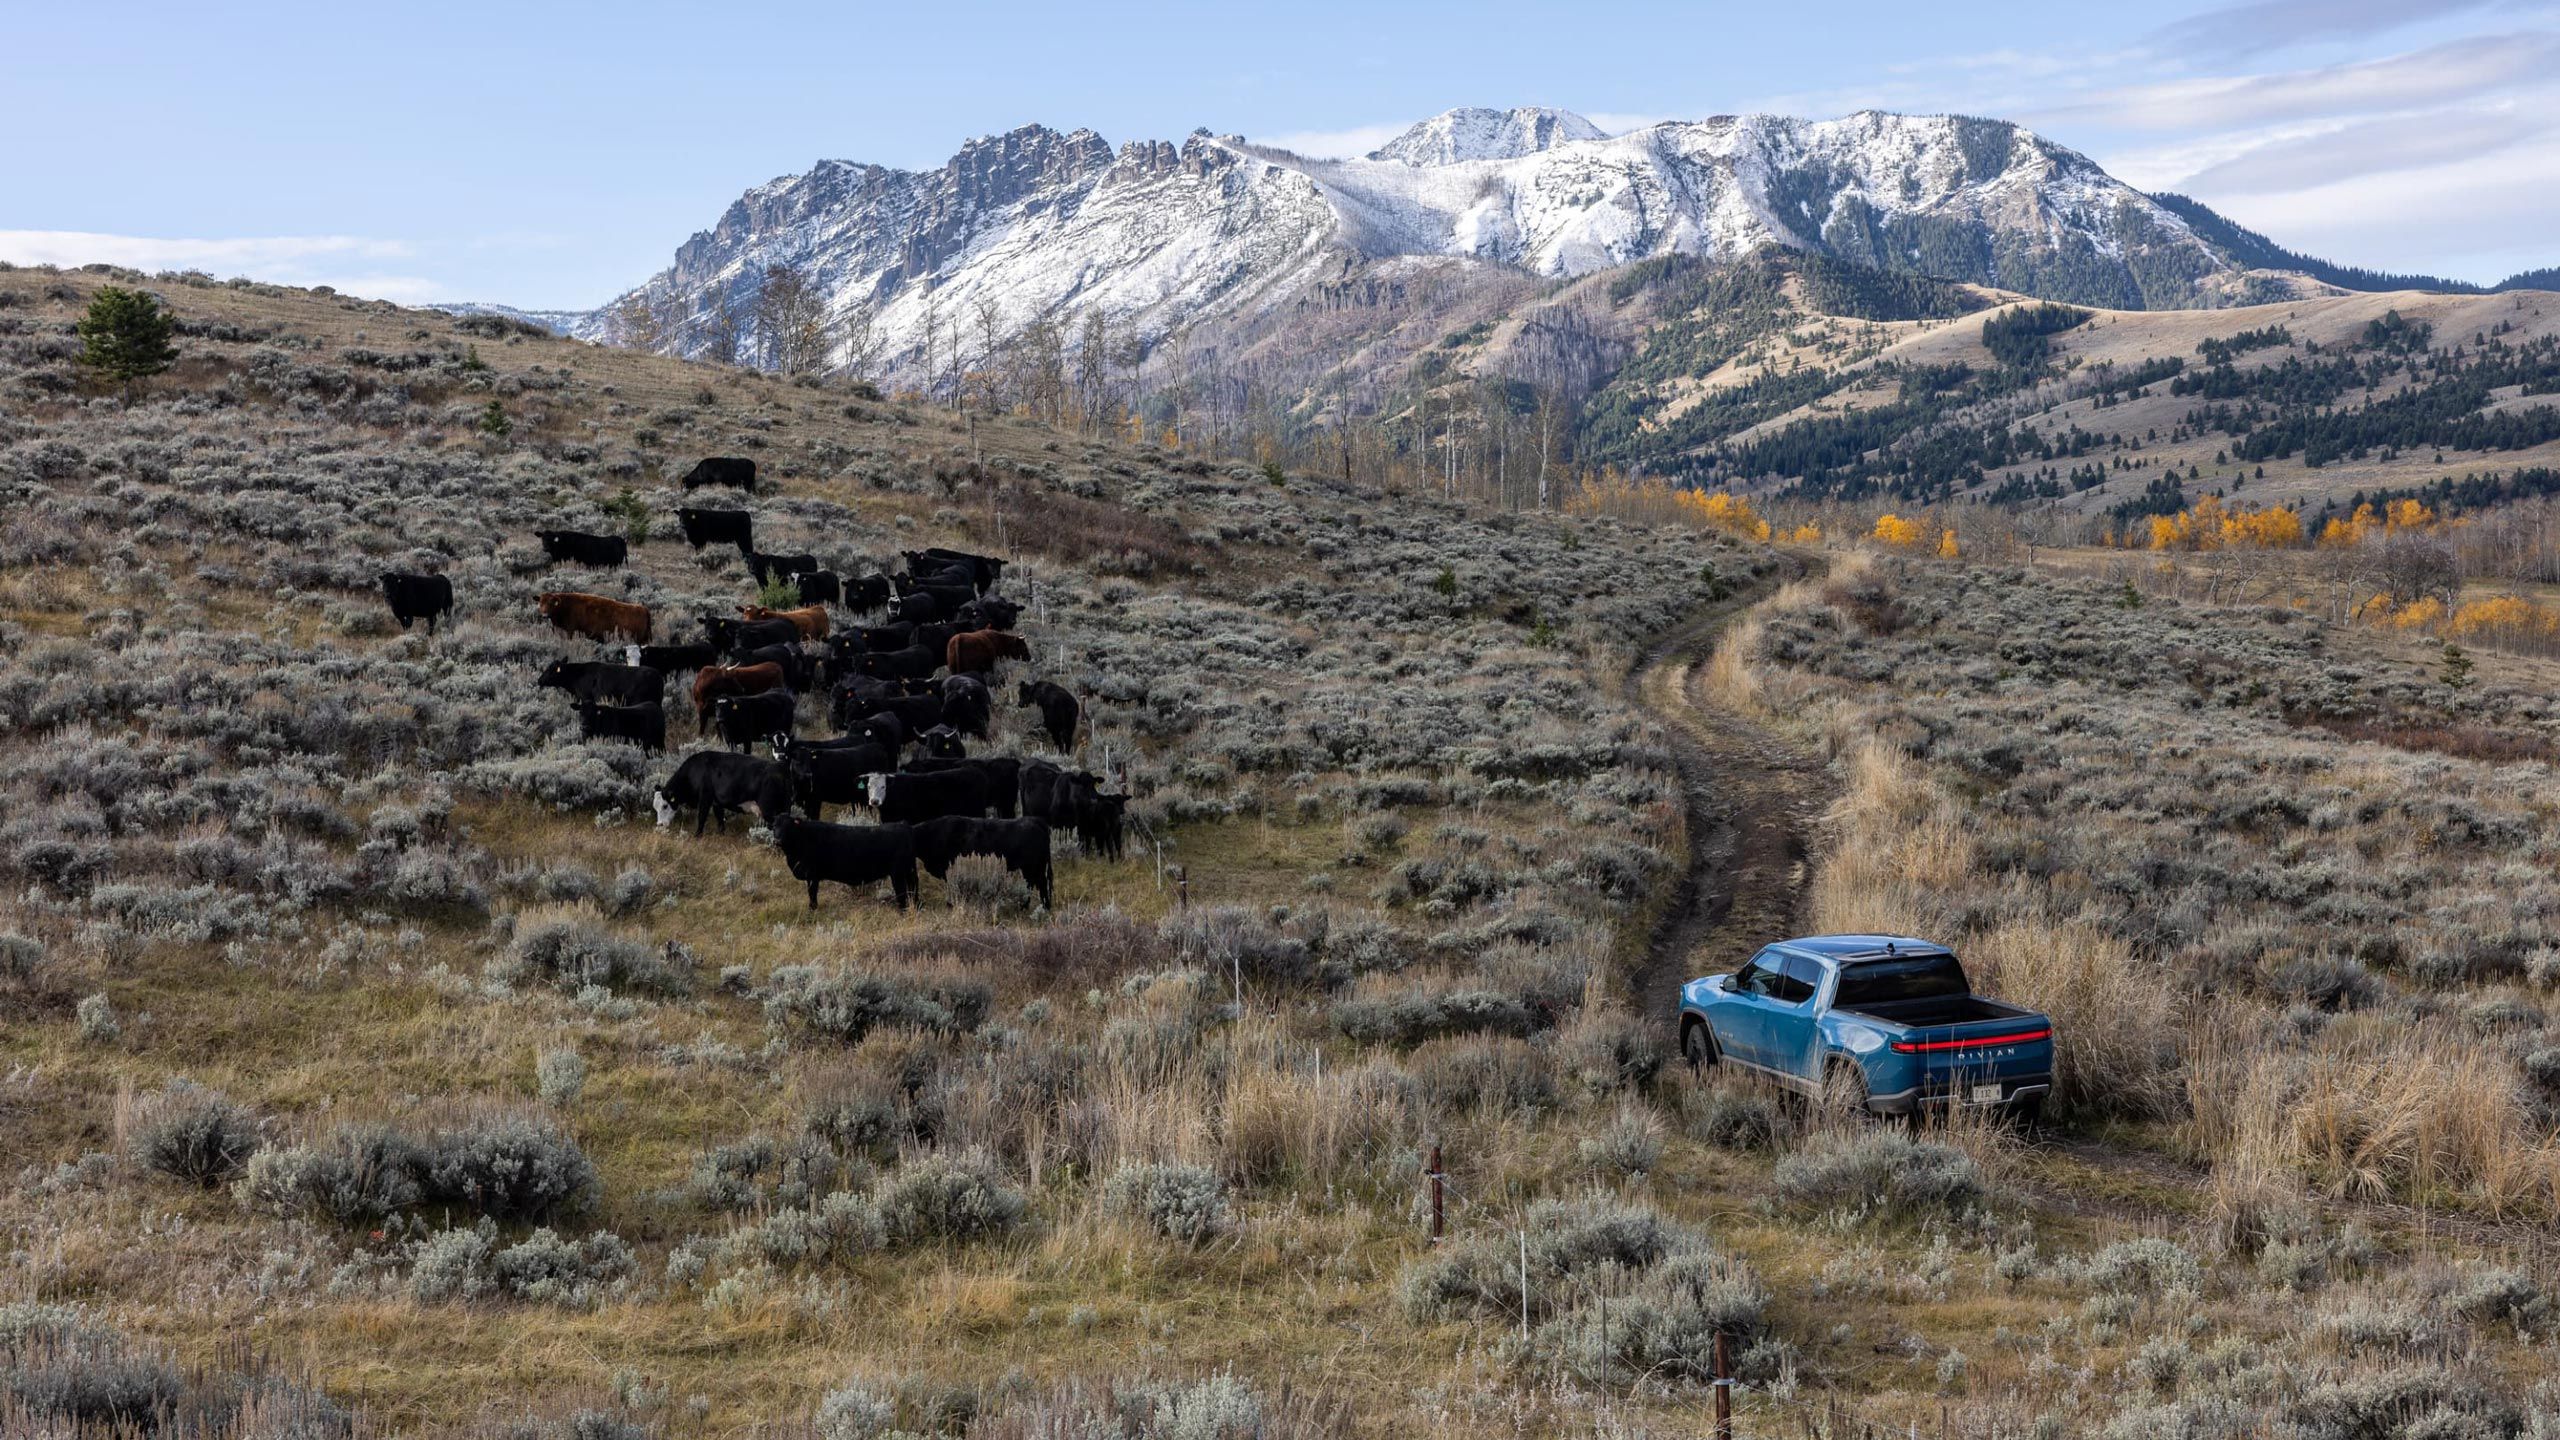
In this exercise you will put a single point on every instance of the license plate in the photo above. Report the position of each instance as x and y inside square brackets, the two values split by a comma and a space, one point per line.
[1986, 1094]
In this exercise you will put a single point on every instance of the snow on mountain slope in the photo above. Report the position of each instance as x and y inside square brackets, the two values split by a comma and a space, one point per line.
[1475, 133]
[1034, 225]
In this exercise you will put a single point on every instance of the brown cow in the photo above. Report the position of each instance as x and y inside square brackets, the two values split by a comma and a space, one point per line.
[978, 650]
[713, 681]
[598, 617]
[810, 619]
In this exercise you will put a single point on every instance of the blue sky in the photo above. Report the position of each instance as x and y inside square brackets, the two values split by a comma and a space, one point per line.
[550, 155]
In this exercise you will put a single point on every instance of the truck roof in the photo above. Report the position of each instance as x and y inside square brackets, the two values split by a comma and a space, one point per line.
[1862, 947]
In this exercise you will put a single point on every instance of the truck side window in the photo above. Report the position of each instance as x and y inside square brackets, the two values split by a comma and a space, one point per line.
[1797, 981]
[1760, 977]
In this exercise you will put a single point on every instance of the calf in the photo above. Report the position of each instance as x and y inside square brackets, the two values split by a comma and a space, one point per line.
[418, 597]
[980, 651]
[713, 681]
[809, 621]
[867, 593]
[820, 587]
[1023, 846]
[572, 547]
[743, 720]
[769, 568]
[674, 659]
[988, 612]
[850, 855]
[1073, 800]
[717, 527]
[967, 707]
[737, 474]
[644, 724]
[601, 681]
[1059, 711]
[598, 617]
[833, 772]
[902, 799]
[714, 782]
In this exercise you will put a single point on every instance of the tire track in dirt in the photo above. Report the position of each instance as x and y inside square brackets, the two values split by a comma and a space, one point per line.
[1751, 800]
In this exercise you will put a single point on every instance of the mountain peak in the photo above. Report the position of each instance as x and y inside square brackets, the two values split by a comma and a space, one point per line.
[1476, 133]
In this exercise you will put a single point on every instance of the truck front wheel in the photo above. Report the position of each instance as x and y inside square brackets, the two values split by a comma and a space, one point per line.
[1697, 1044]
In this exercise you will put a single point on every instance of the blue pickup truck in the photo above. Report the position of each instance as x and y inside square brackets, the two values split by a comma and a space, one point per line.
[1879, 1022]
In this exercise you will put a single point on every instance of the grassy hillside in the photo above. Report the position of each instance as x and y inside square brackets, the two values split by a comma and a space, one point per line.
[371, 1061]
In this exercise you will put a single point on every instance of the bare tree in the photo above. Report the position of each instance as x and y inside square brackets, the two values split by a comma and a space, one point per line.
[791, 321]
[864, 344]
[718, 333]
[642, 320]
[1551, 417]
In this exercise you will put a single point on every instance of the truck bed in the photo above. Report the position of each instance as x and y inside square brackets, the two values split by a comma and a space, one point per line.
[1937, 1010]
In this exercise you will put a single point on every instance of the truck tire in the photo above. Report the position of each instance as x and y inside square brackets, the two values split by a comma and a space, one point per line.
[1844, 1088]
[1697, 1044]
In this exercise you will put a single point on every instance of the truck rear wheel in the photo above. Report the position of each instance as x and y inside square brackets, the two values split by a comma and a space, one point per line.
[1844, 1088]
[1697, 1044]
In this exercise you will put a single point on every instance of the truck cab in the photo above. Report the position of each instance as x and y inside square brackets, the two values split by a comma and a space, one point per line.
[1885, 1023]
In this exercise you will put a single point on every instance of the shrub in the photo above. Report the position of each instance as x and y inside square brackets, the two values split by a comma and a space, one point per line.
[572, 956]
[854, 1412]
[1730, 1117]
[846, 1005]
[1879, 1172]
[2145, 1266]
[1630, 1144]
[940, 1198]
[1606, 1050]
[987, 890]
[1227, 939]
[508, 1168]
[1180, 1202]
[465, 1265]
[1417, 1014]
[1484, 1072]
[96, 1016]
[195, 1135]
[559, 1076]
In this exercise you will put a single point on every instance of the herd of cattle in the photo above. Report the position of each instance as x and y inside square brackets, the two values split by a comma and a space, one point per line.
[906, 696]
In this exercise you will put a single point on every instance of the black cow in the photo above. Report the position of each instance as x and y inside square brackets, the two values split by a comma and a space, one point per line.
[881, 637]
[796, 669]
[915, 661]
[917, 713]
[743, 720]
[418, 597]
[1023, 846]
[833, 772]
[967, 707]
[940, 743]
[718, 527]
[715, 782]
[1003, 772]
[988, 612]
[769, 568]
[675, 659]
[914, 609]
[602, 680]
[820, 586]
[1058, 711]
[867, 593]
[736, 637]
[984, 570]
[572, 547]
[1079, 804]
[1038, 784]
[850, 855]
[736, 474]
[902, 799]
[644, 724]
[947, 599]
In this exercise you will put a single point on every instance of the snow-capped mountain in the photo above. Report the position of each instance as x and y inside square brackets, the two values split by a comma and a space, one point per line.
[1479, 134]
[1218, 231]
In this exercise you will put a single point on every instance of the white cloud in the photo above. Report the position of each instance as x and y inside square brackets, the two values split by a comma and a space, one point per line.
[2272, 24]
[2453, 71]
[1346, 144]
[2412, 219]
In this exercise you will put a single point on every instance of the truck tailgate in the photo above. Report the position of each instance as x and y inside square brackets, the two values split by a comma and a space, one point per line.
[1981, 1061]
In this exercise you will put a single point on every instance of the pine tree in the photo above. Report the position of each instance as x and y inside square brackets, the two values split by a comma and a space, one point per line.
[127, 336]
[2457, 667]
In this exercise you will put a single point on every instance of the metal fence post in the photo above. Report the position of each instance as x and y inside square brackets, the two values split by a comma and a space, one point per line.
[1432, 1168]
[1724, 1391]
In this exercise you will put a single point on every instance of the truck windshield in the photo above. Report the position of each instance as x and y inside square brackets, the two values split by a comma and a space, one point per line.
[1881, 982]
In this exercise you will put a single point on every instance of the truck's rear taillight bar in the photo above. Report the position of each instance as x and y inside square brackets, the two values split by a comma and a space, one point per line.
[1922, 1047]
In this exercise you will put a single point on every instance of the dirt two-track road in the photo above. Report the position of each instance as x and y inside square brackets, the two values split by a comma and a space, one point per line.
[1752, 800]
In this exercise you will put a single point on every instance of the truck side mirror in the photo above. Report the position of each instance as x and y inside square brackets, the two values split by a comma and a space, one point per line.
[1725, 983]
